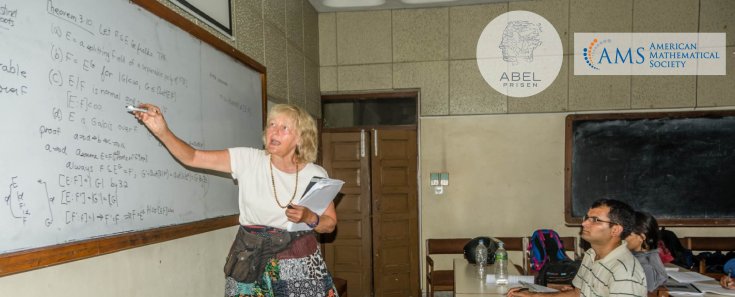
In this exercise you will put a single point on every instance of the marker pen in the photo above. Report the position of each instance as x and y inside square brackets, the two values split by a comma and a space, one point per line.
[132, 108]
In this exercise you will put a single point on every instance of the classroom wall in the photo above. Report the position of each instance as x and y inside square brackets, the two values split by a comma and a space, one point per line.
[504, 155]
[283, 36]
[433, 49]
[190, 266]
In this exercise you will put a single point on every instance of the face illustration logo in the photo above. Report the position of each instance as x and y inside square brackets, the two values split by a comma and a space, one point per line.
[520, 40]
[519, 53]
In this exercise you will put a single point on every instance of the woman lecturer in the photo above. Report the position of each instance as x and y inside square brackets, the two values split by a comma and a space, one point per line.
[265, 259]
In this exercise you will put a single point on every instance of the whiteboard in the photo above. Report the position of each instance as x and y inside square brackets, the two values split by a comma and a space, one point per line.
[74, 164]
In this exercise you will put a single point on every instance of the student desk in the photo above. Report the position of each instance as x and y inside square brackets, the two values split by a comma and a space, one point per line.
[468, 284]
[662, 292]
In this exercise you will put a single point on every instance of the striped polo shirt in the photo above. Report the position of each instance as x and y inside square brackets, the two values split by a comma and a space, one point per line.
[618, 274]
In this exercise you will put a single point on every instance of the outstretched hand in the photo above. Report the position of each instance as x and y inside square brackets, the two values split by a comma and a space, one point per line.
[152, 119]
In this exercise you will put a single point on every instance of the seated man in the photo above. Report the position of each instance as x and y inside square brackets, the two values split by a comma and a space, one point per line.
[608, 268]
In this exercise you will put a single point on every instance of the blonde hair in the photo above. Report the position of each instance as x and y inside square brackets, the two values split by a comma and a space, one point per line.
[305, 127]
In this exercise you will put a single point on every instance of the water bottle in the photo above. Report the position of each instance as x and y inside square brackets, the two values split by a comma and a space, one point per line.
[481, 259]
[501, 265]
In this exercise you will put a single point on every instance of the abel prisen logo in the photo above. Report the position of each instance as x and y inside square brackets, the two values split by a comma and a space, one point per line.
[519, 53]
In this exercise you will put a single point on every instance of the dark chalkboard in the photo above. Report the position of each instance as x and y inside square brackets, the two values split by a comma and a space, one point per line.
[680, 167]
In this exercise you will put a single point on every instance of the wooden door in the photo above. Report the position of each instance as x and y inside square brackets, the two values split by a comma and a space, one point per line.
[375, 246]
[395, 213]
[348, 250]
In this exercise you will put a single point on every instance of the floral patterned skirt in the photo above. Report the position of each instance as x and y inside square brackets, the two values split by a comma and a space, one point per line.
[297, 271]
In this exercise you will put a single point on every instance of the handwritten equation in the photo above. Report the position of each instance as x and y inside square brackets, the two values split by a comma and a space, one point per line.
[83, 167]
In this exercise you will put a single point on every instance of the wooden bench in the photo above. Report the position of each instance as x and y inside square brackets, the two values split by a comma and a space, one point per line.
[661, 291]
[516, 244]
[443, 280]
[701, 244]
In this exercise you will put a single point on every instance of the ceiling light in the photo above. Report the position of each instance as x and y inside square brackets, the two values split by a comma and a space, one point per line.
[353, 3]
[425, 1]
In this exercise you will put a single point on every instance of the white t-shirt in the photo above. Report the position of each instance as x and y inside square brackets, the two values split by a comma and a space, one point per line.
[257, 203]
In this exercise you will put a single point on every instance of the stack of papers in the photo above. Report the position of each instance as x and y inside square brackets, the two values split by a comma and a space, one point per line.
[713, 288]
[319, 193]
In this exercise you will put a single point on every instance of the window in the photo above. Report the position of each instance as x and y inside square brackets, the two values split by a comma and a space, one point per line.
[366, 111]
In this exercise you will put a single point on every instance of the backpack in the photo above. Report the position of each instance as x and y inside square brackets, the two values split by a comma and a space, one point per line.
[559, 272]
[682, 256]
[664, 253]
[714, 261]
[469, 249]
[544, 247]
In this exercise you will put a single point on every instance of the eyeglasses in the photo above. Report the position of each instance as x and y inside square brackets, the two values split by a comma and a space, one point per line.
[596, 220]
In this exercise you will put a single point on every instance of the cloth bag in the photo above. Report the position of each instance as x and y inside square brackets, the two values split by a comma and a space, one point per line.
[250, 252]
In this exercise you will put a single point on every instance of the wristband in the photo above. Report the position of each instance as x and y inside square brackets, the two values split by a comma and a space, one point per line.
[312, 226]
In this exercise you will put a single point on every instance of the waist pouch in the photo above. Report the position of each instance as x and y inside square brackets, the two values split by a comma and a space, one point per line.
[253, 247]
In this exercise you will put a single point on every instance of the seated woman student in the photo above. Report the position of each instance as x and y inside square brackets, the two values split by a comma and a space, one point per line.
[642, 242]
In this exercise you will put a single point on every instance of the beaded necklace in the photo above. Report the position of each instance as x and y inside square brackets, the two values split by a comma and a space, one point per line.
[273, 184]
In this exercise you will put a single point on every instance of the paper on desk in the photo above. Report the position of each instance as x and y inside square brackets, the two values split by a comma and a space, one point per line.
[714, 288]
[319, 193]
[682, 289]
[688, 276]
[512, 279]
[537, 288]
[671, 268]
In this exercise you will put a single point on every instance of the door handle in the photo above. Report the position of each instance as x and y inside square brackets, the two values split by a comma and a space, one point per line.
[375, 141]
[362, 143]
